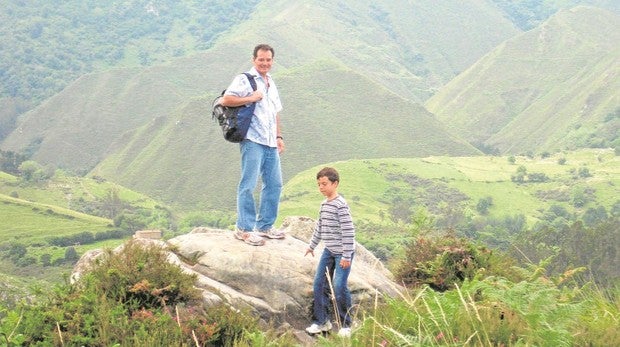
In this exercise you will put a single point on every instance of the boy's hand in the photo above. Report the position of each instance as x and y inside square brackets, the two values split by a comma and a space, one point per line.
[344, 263]
[309, 251]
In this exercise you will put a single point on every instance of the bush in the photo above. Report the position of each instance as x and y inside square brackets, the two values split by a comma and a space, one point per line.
[442, 262]
[134, 297]
[140, 277]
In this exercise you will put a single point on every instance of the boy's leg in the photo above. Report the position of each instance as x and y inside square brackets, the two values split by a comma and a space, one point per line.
[321, 287]
[342, 293]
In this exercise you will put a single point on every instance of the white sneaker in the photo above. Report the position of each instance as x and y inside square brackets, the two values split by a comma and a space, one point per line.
[316, 328]
[344, 332]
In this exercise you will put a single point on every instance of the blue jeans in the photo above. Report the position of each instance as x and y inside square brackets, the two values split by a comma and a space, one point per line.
[258, 160]
[330, 263]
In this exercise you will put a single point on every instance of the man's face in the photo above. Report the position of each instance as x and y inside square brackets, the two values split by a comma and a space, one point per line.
[263, 61]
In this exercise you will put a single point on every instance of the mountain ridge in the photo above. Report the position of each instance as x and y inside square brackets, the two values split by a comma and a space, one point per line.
[344, 84]
[149, 160]
[542, 75]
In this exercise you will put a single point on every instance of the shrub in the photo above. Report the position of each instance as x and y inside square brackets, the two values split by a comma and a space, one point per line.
[442, 262]
[584, 172]
[140, 276]
[483, 205]
[133, 297]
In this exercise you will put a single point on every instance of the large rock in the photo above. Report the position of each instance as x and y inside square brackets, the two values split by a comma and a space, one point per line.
[274, 280]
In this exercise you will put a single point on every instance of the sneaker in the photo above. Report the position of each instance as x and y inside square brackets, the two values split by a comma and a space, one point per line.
[272, 233]
[249, 237]
[316, 328]
[344, 332]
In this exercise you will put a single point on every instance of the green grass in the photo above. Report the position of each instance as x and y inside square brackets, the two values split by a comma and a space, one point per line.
[44, 210]
[70, 191]
[32, 222]
[365, 183]
[491, 312]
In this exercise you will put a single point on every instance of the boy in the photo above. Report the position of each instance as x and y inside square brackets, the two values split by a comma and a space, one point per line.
[335, 228]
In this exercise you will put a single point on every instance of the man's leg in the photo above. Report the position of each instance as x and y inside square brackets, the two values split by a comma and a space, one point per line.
[251, 158]
[271, 174]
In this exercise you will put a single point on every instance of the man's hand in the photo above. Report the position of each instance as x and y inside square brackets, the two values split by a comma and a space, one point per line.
[257, 95]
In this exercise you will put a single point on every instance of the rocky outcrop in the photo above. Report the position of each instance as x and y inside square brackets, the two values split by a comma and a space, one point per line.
[274, 280]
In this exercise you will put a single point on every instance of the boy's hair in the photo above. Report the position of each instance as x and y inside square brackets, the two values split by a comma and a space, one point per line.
[263, 47]
[330, 173]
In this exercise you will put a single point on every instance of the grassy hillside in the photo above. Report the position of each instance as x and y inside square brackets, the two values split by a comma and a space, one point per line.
[32, 222]
[46, 225]
[206, 175]
[349, 74]
[75, 128]
[529, 14]
[63, 206]
[454, 185]
[27, 226]
[46, 45]
[71, 193]
[551, 88]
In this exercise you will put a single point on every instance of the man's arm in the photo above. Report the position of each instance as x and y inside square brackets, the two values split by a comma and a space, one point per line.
[280, 139]
[234, 101]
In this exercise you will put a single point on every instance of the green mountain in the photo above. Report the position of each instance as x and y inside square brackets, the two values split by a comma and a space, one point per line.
[350, 74]
[46, 45]
[370, 42]
[205, 175]
[413, 58]
[554, 87]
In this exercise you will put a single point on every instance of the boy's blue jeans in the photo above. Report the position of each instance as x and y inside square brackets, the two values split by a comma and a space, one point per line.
[258, 160]
[330, 263]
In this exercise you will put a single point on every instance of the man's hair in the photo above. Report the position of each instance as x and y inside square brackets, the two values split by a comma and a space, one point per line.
[330, 173]
[263, 47]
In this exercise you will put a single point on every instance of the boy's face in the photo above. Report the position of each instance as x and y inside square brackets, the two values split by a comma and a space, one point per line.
[327, 187]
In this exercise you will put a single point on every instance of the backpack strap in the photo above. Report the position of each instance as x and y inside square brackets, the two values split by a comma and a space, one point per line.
[252, 80]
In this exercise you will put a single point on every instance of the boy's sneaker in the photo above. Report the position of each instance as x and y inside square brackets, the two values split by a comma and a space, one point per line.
[344, 332]
[249, 237]
[316, 328]
[272, 233]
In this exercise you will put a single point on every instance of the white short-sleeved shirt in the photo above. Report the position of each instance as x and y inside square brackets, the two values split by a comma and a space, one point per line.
[263, 129]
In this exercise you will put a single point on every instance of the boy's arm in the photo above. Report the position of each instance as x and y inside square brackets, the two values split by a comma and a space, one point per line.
[348, 232]
[316, 238]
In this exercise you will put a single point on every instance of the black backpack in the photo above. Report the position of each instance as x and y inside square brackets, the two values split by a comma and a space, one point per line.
[235, 121]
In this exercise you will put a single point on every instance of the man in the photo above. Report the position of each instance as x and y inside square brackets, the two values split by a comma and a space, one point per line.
[260, 150]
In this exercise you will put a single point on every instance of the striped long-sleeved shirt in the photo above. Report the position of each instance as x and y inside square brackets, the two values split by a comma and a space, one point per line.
[335, 228]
